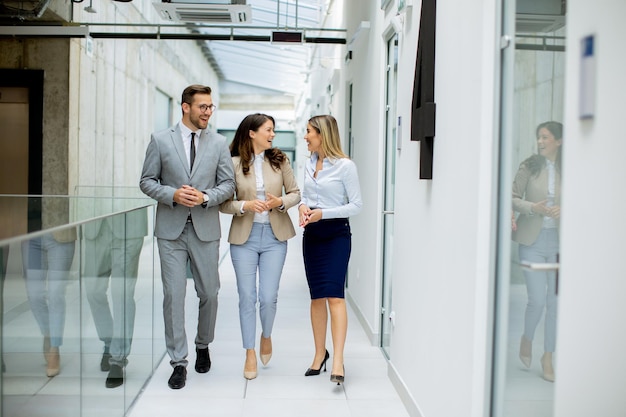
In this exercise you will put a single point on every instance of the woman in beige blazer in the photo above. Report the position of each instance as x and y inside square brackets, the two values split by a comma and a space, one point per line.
[537, 199]
[260, 228]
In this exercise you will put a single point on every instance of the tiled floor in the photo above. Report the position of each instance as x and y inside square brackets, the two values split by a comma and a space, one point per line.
[280, 388]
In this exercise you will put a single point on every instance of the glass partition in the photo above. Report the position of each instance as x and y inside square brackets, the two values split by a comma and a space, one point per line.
[391, 147]
[530, 208]
[41, 325]
[81, 308]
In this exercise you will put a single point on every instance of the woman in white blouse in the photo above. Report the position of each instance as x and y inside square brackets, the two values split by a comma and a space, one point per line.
[260, 228]
[331, 194]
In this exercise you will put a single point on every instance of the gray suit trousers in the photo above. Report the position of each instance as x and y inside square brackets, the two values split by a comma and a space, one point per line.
[204, 258]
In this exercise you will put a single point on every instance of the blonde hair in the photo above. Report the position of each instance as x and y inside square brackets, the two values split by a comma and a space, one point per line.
[326, 126]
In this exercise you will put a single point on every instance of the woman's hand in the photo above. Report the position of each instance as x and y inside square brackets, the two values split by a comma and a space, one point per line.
[256, 206]
[273, 201]
[554, 212]
[546, 211]
[315, 215]
[303, 211]
[540, 208]
[309, 216]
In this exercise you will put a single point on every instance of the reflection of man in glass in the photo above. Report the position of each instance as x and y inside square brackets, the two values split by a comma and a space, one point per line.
[112, 248]
[536, 197]
[47, 260]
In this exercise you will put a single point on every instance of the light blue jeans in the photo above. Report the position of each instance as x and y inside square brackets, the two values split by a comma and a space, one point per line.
[541, 287]
[264, 253]
[46, 265]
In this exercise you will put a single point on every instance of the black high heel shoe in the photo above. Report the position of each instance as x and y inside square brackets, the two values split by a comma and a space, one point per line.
[312, 372]
[338, 378]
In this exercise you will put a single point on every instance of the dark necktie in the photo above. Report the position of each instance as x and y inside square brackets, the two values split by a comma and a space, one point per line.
[192, 151]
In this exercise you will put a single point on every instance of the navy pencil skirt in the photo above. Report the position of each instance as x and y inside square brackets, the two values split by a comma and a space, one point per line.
[326, 246]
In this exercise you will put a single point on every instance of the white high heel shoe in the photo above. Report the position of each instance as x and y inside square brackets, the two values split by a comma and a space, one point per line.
[526, 351]
[265, 345]
[546, 365]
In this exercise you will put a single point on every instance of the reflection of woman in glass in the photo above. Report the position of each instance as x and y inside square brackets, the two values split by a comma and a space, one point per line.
[47, 261]
[537, 199]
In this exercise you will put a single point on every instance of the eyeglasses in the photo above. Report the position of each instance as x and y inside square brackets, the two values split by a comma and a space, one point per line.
[203, 107]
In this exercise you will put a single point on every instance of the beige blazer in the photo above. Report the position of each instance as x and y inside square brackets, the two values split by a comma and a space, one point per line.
[529, 189]
[245, 189]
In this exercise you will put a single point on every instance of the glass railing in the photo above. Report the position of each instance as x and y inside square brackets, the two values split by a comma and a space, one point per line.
[80, 300]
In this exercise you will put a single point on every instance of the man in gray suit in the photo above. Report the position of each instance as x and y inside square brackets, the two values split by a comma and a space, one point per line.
[188, 170]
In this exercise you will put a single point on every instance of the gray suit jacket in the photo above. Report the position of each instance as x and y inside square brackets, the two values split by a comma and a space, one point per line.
[166, 169]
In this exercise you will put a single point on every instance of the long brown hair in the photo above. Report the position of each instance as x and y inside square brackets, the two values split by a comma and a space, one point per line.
[242, 143]
[536, 162]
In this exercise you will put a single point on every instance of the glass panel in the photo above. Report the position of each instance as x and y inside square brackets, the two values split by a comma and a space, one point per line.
[117, 311]
[41, 326]
[285, 139]
[162, 110]
[530, 207]
[151, 260]
[69, 290]
[389, 193]
[139, 266]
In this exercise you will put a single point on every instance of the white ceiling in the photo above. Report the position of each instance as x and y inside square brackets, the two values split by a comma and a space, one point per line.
[277, 67]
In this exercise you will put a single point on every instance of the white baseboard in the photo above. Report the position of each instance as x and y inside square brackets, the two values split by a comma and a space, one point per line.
[405, 395]
[373, 336]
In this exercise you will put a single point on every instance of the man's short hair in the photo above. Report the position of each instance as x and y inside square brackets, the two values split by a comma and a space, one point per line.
[192, 90]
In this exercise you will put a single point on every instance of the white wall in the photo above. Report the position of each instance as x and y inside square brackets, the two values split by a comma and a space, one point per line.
[441, 276]
[591, 364]
[443, 226]
[440, 349]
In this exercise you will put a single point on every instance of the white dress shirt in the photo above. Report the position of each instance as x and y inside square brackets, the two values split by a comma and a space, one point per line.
[336, 189]
[262, 217]
[185, 134]
[549, 222]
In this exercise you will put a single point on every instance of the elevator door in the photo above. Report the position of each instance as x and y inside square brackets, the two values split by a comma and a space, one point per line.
[13, 159]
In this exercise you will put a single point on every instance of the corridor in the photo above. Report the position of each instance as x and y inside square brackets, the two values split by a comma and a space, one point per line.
[280, 390]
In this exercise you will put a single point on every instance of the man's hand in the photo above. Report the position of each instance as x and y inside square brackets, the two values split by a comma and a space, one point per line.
[188, 196]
